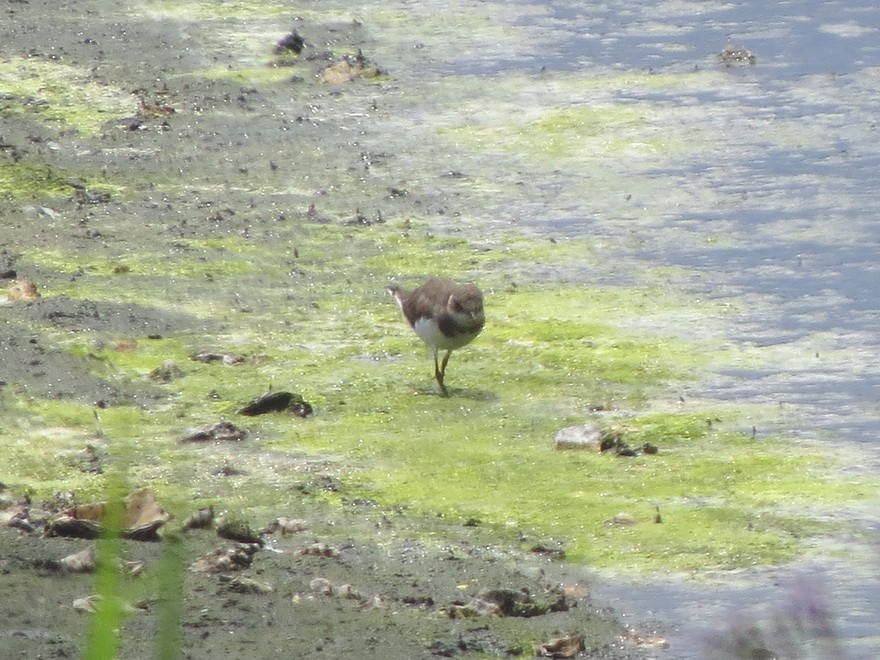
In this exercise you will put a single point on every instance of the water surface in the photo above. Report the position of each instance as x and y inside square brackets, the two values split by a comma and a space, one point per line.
[778, 212]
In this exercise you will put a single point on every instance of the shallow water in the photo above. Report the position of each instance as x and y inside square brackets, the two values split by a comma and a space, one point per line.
[799, 212]
[792, 38]
[777, 212]
[799, 217]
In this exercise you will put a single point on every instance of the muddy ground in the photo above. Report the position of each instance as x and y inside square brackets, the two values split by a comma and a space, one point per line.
[345, 584]
[225, 138]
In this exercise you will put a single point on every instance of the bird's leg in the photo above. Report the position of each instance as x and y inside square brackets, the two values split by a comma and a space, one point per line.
[438, 373]
[436, 367]
[442, 371]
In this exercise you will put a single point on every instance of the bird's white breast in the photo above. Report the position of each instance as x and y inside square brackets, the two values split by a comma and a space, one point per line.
[429, 332]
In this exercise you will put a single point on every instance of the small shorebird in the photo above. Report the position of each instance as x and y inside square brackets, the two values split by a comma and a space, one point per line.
[444, 315]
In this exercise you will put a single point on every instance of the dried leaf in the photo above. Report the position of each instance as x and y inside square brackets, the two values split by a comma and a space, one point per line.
[143, 518]
[87, 603]
[561, 647]
[23, 290]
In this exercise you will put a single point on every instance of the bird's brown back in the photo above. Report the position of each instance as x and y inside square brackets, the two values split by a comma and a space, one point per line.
[431, 300]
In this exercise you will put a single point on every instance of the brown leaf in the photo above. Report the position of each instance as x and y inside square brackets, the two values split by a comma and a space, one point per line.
[143, 518]
[23, 290]
[87, 603]
[560, 647]
[94, 511]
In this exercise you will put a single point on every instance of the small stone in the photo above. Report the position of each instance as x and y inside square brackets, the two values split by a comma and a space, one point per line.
[349, 68]
[243, 585]
[71, 527]
[13, 513]
[269, 402]
[292, 43]
[652, 642]
[225, 560]
[166, 372]
[732, 54]
[622, 519]
[79, 562]
[318, 550]
[286, 526]
[235, 529]
[374, 602]
[222, 431]
[321, 586]
[346, 591]
[511, 602]
[301, 408]
[209, 357]
[584, 436]
[201, 519]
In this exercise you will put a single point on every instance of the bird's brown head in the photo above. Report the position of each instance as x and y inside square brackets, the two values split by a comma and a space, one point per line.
[466, 305]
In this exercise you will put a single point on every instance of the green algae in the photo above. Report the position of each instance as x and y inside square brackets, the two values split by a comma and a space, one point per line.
[31, 178]
[601, 86]
[43, 457]
[102, 272]
[716, 491]
[588, 132]
[55, 92]
[502, 476]
[549, 355]
[544, 121]
[215, 10]
[269, 72]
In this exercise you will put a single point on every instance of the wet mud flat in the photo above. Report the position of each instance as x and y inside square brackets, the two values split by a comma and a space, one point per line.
[183, 157]
[329, 583]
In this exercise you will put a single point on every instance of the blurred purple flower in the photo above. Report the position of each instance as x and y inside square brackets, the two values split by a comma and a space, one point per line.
[799, 627]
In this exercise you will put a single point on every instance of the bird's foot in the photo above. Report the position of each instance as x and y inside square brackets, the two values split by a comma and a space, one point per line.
[439, 377]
